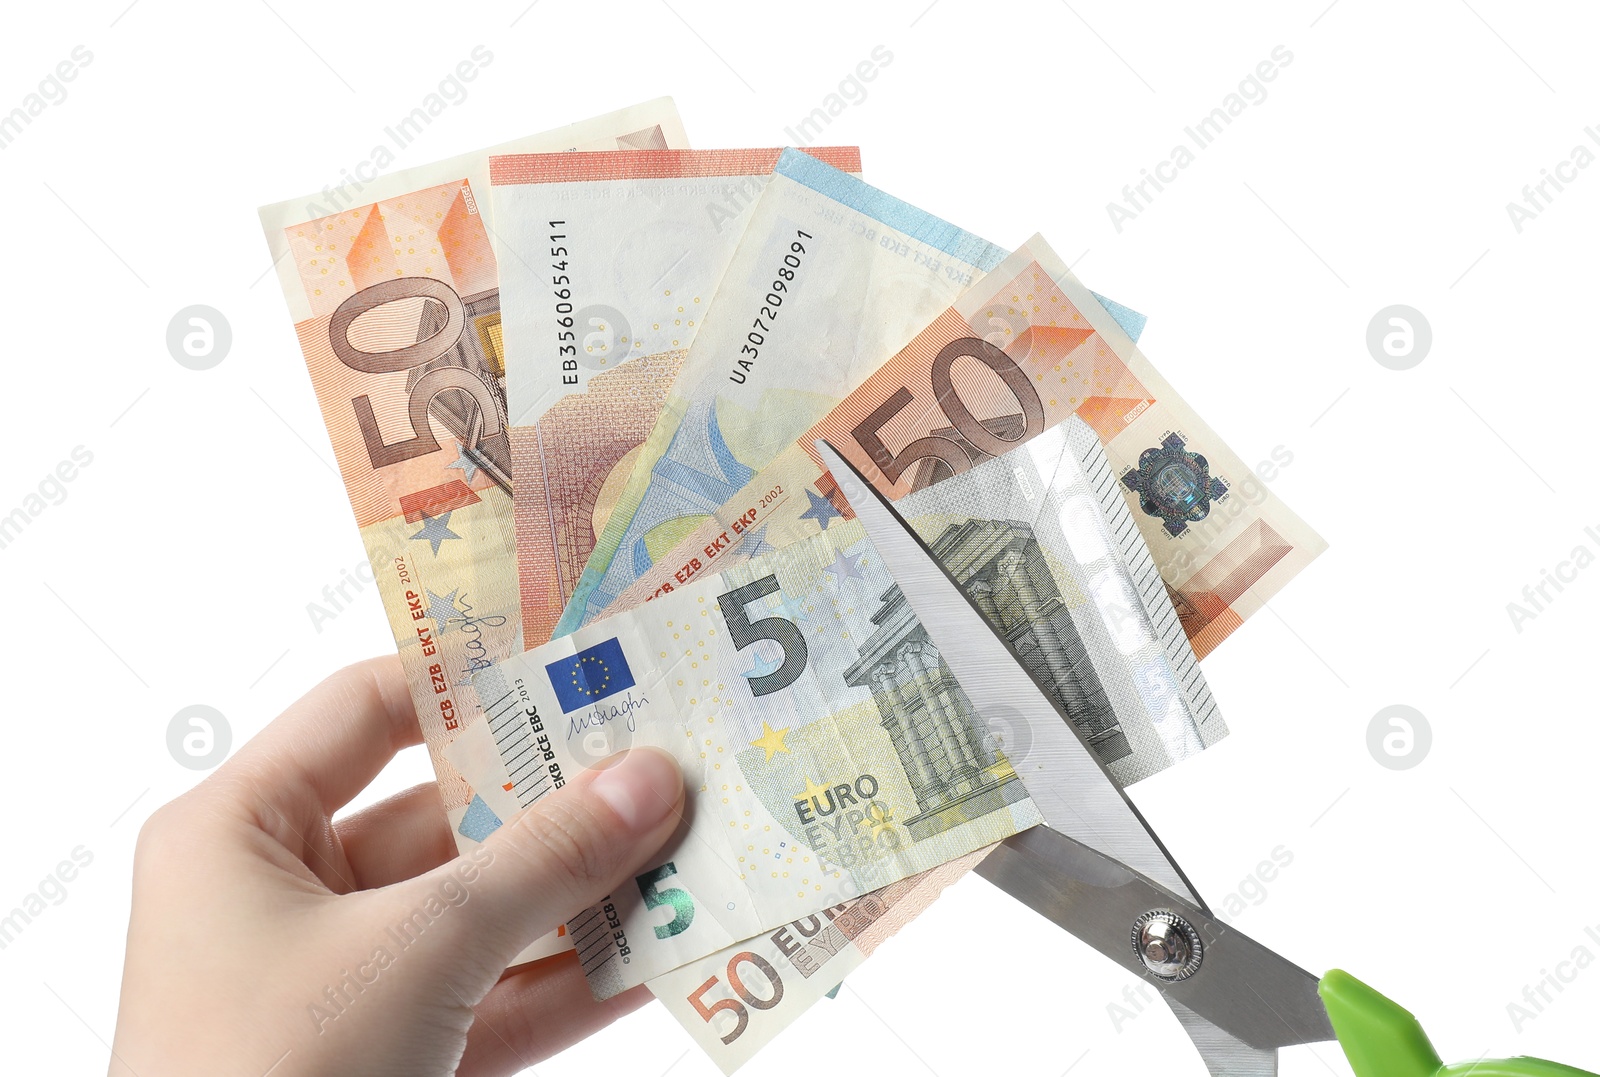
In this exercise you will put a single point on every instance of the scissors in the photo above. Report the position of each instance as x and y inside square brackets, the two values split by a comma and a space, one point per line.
[1098, 870]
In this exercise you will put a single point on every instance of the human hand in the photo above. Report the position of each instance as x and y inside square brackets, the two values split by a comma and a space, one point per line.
[265, 937]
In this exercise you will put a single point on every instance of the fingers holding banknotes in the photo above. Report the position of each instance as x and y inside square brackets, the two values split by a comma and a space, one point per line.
[266, 936]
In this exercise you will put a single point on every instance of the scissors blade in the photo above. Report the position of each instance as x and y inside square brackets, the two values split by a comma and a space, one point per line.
[1224, 1055]
[1066, 780]
[1239, 1006]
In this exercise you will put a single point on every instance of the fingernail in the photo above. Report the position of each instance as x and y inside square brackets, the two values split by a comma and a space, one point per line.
[641, 785]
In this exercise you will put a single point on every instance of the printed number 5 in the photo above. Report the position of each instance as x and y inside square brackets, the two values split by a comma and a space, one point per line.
[779, 630]
[680, 900]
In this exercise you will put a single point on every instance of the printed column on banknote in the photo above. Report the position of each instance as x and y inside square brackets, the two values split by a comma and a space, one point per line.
[830, 278]
[394, 294]
[608, 262]
[1001, 527]
[1022, 350]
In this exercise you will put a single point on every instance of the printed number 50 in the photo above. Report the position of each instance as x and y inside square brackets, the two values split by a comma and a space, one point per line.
[697, 999]
[868, 433]
[423, 351]
[681, 901]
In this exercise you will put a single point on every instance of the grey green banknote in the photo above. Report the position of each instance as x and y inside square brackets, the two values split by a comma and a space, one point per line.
[999, 527]
[809, 782]
[827, 748]
[1043, 541]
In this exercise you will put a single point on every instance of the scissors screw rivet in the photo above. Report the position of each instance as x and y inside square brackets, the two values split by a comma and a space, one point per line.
[1168, 944]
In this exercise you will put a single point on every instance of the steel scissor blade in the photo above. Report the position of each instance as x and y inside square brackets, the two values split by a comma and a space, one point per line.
[1062, 774]
[1241, 1004]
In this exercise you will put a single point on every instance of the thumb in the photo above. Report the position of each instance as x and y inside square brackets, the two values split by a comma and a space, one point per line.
[563, 853]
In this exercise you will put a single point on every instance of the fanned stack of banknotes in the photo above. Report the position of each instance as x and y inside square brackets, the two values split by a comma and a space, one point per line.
[575, 384]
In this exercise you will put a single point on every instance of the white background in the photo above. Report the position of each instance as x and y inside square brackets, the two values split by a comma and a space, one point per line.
[1377, 171]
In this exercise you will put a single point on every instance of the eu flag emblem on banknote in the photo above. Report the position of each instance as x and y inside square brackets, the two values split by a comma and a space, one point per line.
[590, 675]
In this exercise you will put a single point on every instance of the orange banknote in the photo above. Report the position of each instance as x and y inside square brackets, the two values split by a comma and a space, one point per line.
[395, 295]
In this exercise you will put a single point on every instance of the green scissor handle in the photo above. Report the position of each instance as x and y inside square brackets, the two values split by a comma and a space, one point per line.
[1382, 1039]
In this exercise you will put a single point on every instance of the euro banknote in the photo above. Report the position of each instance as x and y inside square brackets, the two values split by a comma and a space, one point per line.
[394, 294]
[608, 262]
[827, 748]
[648, 125]
[1022, 350]
[1042, 532]
[1058, 490]
[807, 784]
[735, 1001]
[830, 278]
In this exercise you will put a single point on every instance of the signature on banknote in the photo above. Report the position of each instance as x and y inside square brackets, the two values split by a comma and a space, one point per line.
[598, 717]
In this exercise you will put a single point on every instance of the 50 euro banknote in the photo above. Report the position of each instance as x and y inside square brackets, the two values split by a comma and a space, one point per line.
[735, 1001]
[1021, 351]
[395, 296]
[608, 262]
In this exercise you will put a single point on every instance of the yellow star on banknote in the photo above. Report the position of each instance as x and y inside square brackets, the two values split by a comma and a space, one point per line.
[812, 791]
[880, 819]
[771, 740]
